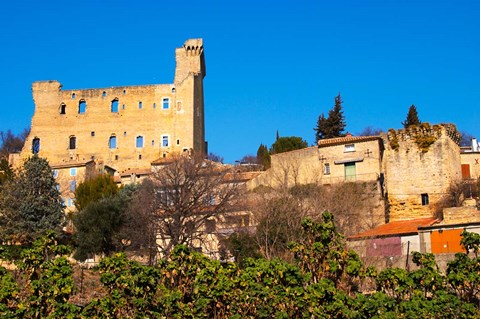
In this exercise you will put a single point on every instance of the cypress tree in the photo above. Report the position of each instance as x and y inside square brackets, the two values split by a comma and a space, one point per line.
[412, 117]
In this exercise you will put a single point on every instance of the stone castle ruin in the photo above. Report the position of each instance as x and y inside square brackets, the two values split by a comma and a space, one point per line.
[124, 127]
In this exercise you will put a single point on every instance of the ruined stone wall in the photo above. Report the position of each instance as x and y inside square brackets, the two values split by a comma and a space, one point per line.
[420, 160]
[169, 118]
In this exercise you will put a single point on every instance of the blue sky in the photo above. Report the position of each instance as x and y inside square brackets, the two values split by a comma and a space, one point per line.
[271, 65]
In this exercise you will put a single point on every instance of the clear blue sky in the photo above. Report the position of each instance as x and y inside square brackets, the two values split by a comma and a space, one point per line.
[271, 65]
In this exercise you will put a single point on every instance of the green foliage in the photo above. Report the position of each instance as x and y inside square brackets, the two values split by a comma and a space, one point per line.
[263, 156]
[242, 245]
[94, 189]
[6, 172]
[412, 117]
[286, 144]
[333, 125]
[97, 226]
[31, 204]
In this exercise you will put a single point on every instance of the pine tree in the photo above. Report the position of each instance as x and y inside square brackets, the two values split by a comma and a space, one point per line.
[263, 156]
[412, 117]
[334, 125]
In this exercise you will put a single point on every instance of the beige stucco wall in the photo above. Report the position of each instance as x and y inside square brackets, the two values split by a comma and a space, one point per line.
[411, 171]
[307, 165]
[182, 122]
[473, 160]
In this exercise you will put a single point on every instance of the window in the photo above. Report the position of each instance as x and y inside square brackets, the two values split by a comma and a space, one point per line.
[350, 172]
[139, 141]
[124, 92]
[63, 109]
[350, 148]
[425, 199]
[112, 142]
[139, 156]
[114, 106]
[104, 94]
[173, 90]
[140, 105]
[123, 106]
[73, 186]
[72, 143]
[55, 173]
[92, 133]
[57, 187]
[326, 169]
[82, 106]
[154, 105]
[69, 202]
[73, 96]
[166, 103]
[36, 145]
[124, 134]
[165, 141]
[153, 142]
[73, 171]
[178, 142]
[116, 157]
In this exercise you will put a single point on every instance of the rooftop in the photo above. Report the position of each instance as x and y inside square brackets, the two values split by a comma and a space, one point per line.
[346, 139]
[404, 227]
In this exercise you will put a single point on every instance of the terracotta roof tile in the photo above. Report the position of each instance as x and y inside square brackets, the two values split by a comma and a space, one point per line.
[137, 171]
[346, 139]
[403, 227]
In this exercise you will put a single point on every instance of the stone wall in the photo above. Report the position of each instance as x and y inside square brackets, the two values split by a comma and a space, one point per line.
[420, 160]
[126, 127]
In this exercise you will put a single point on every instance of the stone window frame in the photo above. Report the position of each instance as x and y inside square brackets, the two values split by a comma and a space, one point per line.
[349, 148]
[36, 145]
[326, 169]
[166, 103]
[425, 199]
[82, 106]
[138, 139]
[63, 109]
[72, 142]
[113, 138]
[73, 171]
[165, 137]
[114, 105]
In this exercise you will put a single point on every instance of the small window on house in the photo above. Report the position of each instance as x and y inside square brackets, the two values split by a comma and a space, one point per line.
[69, 202]
[112, 142]
[153, 142]
[178, 142]
[36, 145]
[326, 170]
[74, 95]
[72, 143]
[425, 199]
[166, 103]
[165, 141]
[154, 105]
[139, 156]
[55, 173]
[139, 141]
[124, 134]
[114, 106]
[173, 90]
[350, 148]
[123, 106]
[82, 106]
[63, 109]
[104, 94]
[92, 133]
[124, 92]
[73, 171]
[140, 105]
[57, 187]
[116, 157]
[73, 186]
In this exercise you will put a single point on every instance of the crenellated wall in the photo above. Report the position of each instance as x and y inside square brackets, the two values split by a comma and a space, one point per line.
[420, 163]
[107, 124]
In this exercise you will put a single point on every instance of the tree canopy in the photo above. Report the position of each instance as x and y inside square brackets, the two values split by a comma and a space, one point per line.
[30, 204]
[94, 189]
[412, 117]
[263, 156]
[333, 125]
[288, 143]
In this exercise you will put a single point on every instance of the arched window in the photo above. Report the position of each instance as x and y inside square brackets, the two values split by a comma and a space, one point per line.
[82, 106]
[72, 144]
[36, 145]
[63, 108]
[139, 141]
[112, 142]
[166, 103]
[140, 104]
[114, 107]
